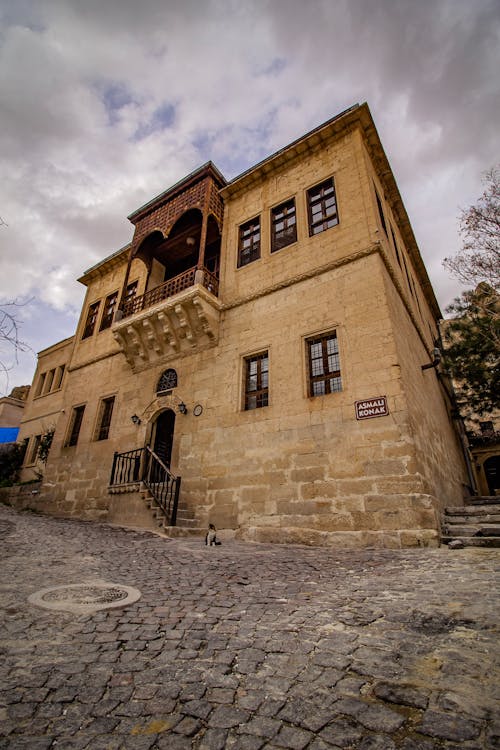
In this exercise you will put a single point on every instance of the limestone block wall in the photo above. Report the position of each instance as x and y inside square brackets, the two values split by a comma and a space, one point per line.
[439, 454]
[45, 402]
[303, 469]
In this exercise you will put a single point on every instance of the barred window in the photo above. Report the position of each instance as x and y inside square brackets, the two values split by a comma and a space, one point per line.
[109, 311]
[249, 242]
[167, 381]
[104, 419]
[75, 425]
[324, 365]
[91, 320]
[322, 205]
[283, 225]
[256, 381]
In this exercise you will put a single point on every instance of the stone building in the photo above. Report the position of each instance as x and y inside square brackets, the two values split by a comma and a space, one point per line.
[261, 339]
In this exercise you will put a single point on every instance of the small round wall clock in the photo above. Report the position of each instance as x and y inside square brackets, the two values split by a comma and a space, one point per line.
[198, 409]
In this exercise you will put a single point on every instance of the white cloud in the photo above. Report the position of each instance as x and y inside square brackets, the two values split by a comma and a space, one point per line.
[106, 104]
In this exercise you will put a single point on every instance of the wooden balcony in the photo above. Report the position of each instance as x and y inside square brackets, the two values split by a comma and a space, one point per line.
[176, 318]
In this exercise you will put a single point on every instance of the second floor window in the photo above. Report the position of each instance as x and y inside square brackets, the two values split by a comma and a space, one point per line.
[91, 320]
[75, 425]
[109, 311]
[249, 242]
[324, 365]
[283, 225]
[256, 381]
[322, 206]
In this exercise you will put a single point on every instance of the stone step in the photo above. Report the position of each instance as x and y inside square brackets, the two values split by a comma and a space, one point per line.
[473, 541]
[484, 500]
[473, 510]
[472, 530]
[472, 519]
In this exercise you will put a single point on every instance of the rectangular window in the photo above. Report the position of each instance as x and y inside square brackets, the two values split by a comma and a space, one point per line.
[322, 206]
[131, 291]
[249, 242]
[34, 449]
[324, 365]
[104, 419]
[381, 214]
[109, 311]
[59, 377]
[91, 320]
[41, 383]
[256, 381]
[283, 225]
[75, 424]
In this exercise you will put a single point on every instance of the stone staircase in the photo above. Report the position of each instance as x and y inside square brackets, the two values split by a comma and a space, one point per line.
[186, 524]
[476, 524]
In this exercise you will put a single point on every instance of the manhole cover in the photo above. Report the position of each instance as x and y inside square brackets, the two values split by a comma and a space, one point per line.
[85, 597]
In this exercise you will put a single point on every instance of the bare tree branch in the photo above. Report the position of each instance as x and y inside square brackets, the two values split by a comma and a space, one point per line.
[479, 258]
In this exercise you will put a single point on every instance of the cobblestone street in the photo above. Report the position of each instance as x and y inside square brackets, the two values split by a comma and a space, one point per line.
[245, 646]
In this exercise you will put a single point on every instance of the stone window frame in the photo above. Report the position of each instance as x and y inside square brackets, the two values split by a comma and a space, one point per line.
[74, 425]
[330, 368]
[109, 309]
[91, 320]
[259, 395]
[285, 213]
[104, 417]
[319, 196]
[249, 241]
[169, 378]
[33, 450]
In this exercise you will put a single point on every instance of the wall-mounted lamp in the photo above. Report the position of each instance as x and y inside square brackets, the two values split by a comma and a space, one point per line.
[190, 241]
[182, 408]
[135, 419]
[436, 359]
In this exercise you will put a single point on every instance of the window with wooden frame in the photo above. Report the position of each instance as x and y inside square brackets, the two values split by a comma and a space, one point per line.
[324, 364]
[109, 311]
[322, 207]
[91, 320]
[256, 381]
[75, 425]
[249, 242]
[104, 418]
[283, 225]
[34, 450]
[130, 291]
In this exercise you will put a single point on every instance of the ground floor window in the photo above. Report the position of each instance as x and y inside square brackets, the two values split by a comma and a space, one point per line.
[256, 381]
[34, 449]
[324, 364]
[104, 418]
[75, 425]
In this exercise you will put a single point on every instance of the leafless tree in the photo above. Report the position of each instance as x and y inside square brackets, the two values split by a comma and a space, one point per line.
[10, 343]
[479, 258]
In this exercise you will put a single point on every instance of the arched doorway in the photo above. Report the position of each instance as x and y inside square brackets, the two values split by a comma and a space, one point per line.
[162, 437]
[491, 468]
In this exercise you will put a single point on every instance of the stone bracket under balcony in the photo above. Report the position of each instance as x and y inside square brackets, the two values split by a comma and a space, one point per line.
[178, 325]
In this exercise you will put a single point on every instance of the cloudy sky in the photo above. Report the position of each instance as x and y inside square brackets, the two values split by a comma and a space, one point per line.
[106, 103]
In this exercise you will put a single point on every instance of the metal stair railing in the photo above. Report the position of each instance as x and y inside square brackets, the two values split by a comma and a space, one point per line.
[144, 465]
[163, 485]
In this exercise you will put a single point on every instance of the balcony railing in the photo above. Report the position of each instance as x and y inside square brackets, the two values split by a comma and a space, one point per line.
[169, 289]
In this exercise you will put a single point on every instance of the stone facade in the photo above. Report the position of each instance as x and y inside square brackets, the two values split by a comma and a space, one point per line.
[187, 296]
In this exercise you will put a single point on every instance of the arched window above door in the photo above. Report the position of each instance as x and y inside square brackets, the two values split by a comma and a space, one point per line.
[167, 381]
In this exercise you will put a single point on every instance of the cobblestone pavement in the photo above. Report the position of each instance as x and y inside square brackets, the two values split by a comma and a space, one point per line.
[245, 646]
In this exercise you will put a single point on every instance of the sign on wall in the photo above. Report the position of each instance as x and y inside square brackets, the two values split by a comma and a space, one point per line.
[371, 407]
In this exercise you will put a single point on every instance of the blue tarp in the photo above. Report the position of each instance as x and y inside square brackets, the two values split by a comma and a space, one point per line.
[8, 434]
